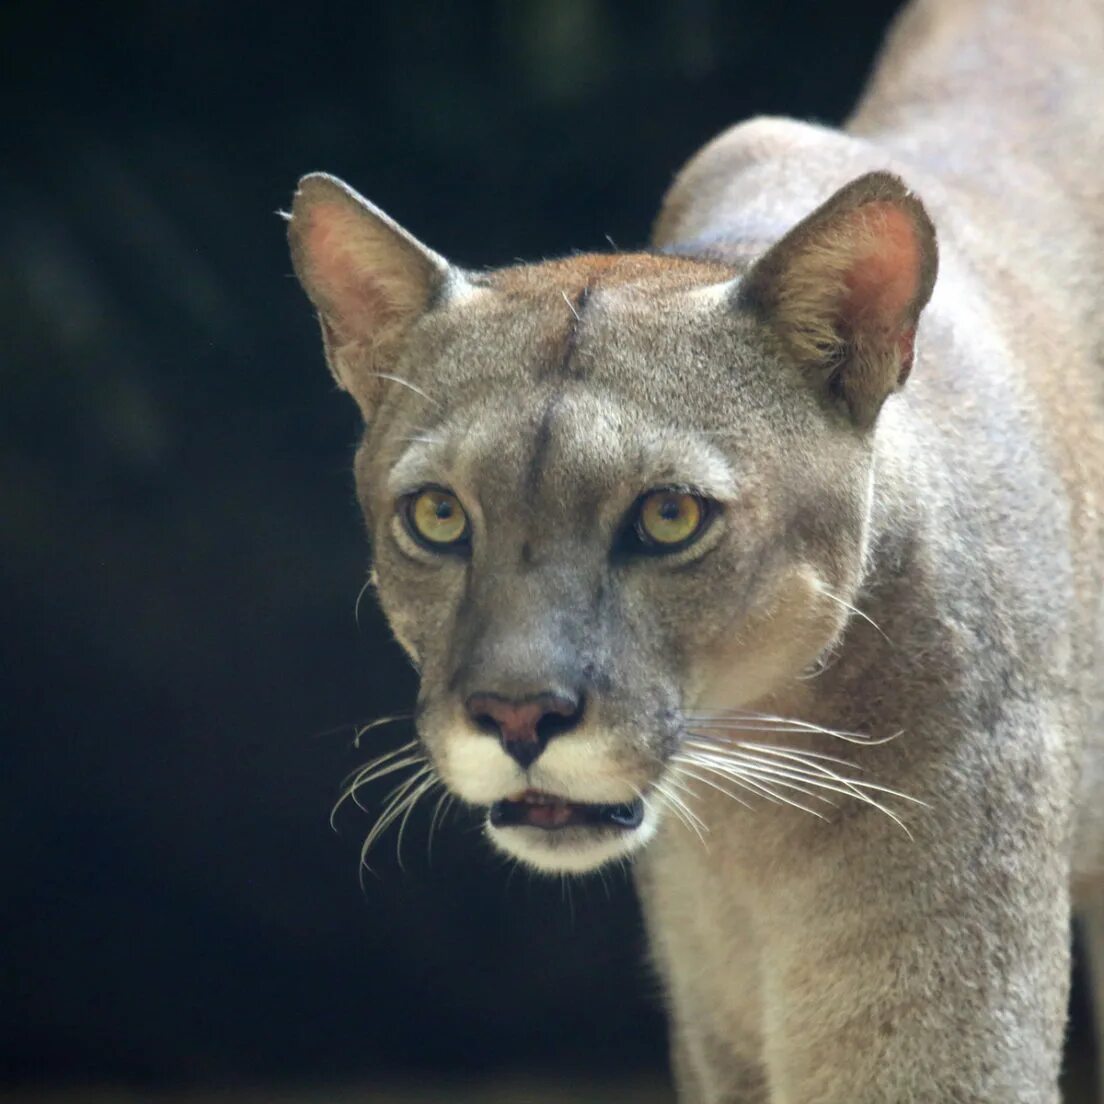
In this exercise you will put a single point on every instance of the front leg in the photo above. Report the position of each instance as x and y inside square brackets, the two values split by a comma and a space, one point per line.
[710, 1069]
[705, 949]
[936, 968]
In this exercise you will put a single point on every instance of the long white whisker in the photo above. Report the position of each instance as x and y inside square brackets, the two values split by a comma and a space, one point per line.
[360, 595]
[414, 797]
[857, 612]
[406, 383]
[798, 756]
[682, 811]
[394, 809]
[760, 726]
[686, 789]
[363, 778]
[663, 800]
[711, 743]
[405, 785]
[433, 822]
[780, 772]
[369, 773]
[362, 730]
[409, 747]
[847, 787]
[756, 783]
[684, 766]
[813, 773]
[379, 722]
[734, 720]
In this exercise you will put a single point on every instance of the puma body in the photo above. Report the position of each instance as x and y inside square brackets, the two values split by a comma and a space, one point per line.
[850, 724]
[986, 574]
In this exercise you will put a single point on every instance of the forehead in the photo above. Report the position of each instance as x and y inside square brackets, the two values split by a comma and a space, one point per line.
[601, 375]
[558, 445]
[638, 324]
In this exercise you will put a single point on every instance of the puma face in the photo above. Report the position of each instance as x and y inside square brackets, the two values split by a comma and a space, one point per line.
[609, 493]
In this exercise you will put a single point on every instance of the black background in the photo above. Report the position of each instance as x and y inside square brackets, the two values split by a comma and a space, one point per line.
[181, 551]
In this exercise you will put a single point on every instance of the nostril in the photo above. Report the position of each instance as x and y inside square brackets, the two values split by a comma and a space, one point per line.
[485, 723]
[524, 726]
[562, 715]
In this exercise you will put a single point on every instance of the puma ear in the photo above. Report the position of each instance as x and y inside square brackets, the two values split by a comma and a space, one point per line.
[844, 289]
[367, 277]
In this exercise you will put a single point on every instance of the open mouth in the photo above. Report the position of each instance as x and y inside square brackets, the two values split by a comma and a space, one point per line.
[534, 809]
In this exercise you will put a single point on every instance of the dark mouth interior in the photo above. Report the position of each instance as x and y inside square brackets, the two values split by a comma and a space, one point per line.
[534, 809]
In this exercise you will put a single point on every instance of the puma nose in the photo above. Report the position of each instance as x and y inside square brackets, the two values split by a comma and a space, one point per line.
[524, 727]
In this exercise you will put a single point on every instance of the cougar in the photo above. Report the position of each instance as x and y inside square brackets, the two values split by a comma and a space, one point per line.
[773, 563]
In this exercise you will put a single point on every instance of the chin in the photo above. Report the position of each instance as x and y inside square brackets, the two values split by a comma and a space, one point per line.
[559, 837]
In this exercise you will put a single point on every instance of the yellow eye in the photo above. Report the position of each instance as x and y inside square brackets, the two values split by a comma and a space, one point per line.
[668, 518]
[437, 517]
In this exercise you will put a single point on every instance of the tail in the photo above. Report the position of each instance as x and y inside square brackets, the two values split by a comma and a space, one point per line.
[1014, 88]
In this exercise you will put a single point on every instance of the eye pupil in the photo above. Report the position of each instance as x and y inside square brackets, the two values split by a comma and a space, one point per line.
[435, 517]
[670, 519]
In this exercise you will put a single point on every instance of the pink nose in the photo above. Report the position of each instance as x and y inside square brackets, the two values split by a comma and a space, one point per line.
[524, 727]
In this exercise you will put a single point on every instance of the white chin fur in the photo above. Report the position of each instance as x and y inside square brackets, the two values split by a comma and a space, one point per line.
[571, 850]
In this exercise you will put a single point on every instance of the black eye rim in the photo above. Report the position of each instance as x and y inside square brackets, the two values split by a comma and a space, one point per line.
[461, 546]
[633, 541]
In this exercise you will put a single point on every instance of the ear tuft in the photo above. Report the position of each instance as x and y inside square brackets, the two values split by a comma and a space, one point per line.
[367, 277]
[844, 289]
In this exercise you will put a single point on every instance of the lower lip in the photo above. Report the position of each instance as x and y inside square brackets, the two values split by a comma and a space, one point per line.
[554, 816]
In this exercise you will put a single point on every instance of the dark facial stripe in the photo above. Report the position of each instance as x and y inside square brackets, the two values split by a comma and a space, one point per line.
[572, 340]
[542, 441]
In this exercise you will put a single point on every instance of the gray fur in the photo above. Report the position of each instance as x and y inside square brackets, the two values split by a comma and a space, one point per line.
[806, 960]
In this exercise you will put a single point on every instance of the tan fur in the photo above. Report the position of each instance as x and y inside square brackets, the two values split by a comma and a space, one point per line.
[895, 620]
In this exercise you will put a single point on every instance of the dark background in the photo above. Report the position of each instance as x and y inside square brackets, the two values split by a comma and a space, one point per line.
[181, 552]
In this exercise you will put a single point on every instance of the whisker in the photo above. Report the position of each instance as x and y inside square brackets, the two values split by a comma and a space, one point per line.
[819, 665]
[379, 722]
[394, 809]
[812, 773]
[408, 748]
[787, 776]
[412, 800]
[711, 743]
[359, 598]
[663, 801]
[405, 383]
[369, 773]
[567, 897]
[570, 305]
[846, 786]
[735, 718]
[405, 785]
[680, 809]
[857, 612]
[357, 726]
[684, 768]
[786, 753]
[434, 820]
[684, 788]
[374, 770]
[757, 784]
[421, 440]
[784, 772]
[756, 726]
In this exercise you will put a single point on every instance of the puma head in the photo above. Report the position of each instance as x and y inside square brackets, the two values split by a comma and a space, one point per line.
[609, 492]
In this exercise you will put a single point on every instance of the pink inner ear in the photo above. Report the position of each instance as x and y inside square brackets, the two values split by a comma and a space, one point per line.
[884, 278]
[344, 270]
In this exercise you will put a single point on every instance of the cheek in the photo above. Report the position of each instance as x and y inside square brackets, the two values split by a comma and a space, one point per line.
[790, 625]
[419, 604]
